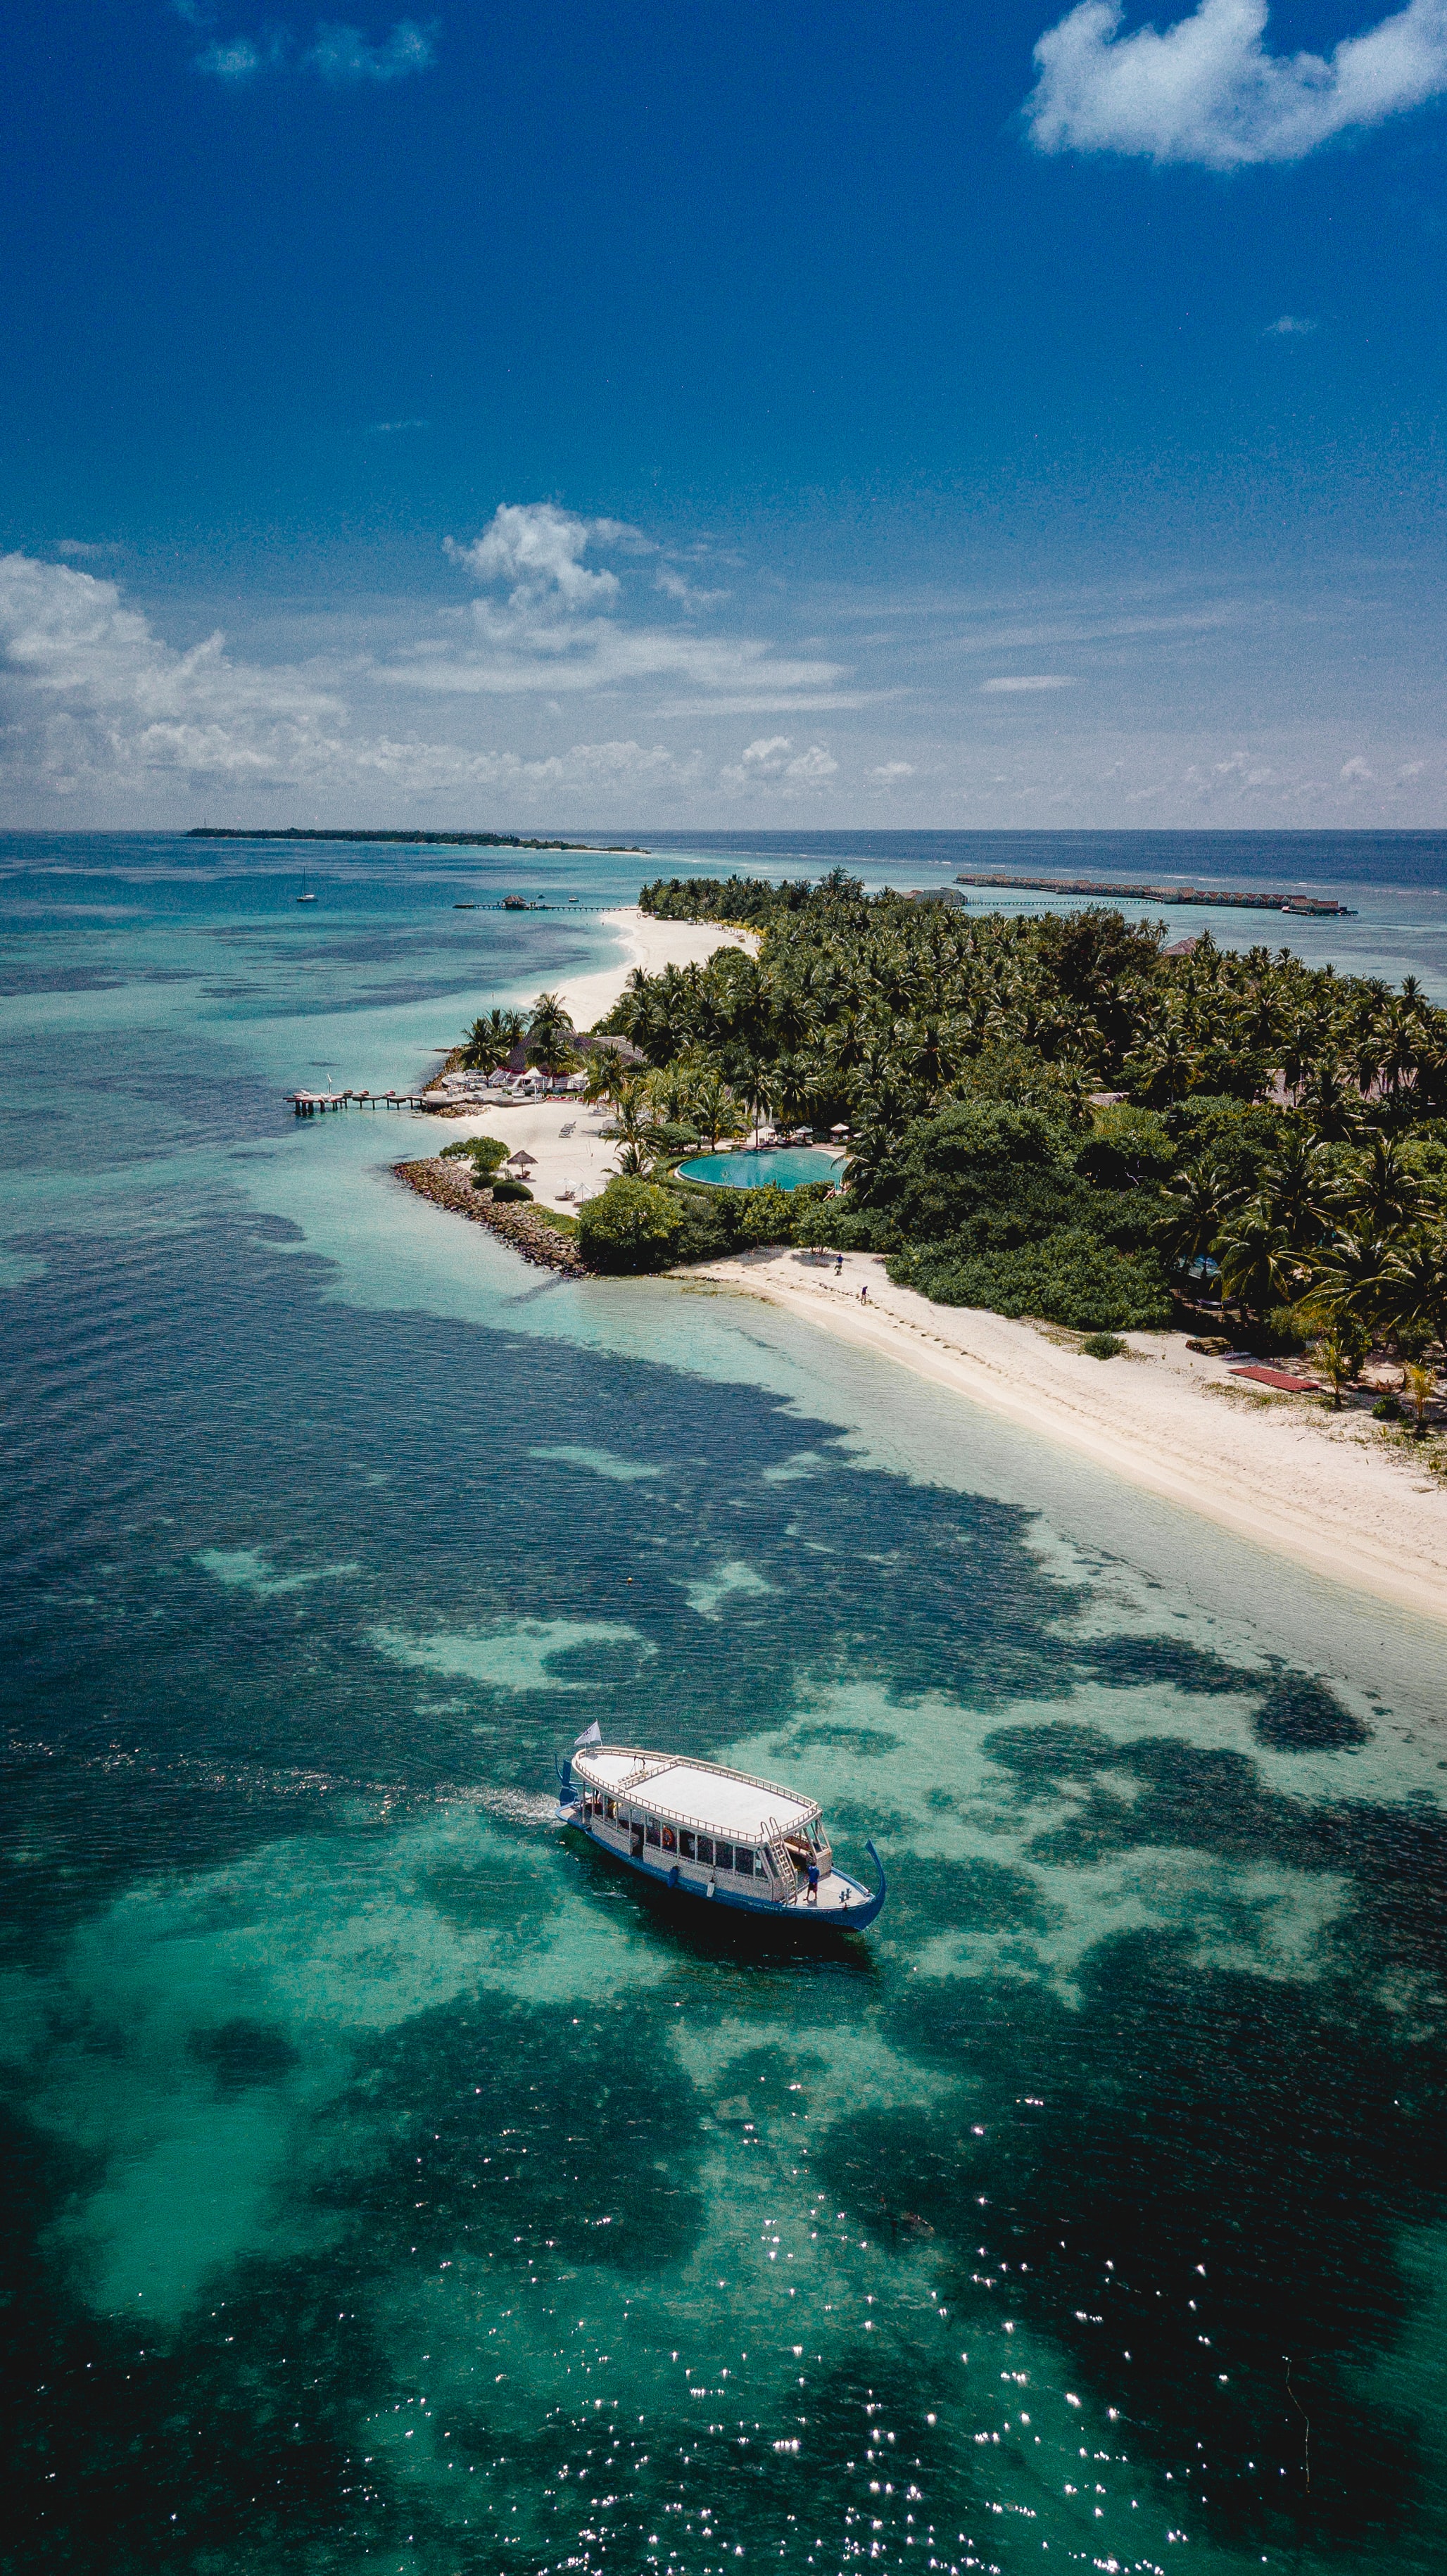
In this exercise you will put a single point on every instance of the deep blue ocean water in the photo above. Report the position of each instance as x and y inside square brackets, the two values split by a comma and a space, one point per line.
[390, 2185]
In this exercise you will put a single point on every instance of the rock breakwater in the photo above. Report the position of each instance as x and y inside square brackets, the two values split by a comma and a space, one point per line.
[525, 1228]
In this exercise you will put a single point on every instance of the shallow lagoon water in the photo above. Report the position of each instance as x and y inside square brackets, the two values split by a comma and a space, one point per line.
[390, 2183]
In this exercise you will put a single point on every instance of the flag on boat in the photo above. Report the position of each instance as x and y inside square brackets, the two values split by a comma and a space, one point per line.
[591, 1735]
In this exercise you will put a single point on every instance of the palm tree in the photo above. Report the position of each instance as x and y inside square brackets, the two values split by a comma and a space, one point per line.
[1382, 1195]
[1338, 1354]
[1352, 1278]
[489, 1041]
[1255, 1259]
[1419, 1386]
[550, 1029]
[713, 1108]
[635, 1126]
[1414, 1282]
[605, 1073]
[1298, 1189]
[1197, 1204]
[1330, 1100]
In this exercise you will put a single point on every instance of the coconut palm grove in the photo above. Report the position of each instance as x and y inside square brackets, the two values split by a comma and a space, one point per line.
[1052, 1115]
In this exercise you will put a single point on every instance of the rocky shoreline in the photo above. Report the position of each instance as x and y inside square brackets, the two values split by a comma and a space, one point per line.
[525, 1228]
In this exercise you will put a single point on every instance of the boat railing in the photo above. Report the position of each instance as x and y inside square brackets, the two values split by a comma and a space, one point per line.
[771, 1833]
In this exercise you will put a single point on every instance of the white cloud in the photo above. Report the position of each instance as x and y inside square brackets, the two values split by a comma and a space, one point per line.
[343, 54]
[538, 549]
[90, 691]
[773, 759]
[338, 54]
[1355, 773]
[674, 586]
[1207, 91]
[554, 635]
[1289, 326]
[890, 770]
[91, 698]
[1028, 680]
[233, 58]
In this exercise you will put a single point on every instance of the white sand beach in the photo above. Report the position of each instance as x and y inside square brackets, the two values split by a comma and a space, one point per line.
[571, 1159]
[1326, 1490]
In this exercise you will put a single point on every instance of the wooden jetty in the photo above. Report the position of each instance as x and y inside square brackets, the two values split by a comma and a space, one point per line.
[316, 1104]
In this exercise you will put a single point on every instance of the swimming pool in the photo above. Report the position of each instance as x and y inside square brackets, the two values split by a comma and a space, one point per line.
[788, 1169]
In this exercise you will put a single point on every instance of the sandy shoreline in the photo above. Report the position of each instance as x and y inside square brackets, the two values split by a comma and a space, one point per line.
[1322, 1489]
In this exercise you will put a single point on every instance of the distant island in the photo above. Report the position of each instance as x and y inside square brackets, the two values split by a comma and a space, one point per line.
[408, 840]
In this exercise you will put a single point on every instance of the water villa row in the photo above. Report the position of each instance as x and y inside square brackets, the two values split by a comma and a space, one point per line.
[1313, 906]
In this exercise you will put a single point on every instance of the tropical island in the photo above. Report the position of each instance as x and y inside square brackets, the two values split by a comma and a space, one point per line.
[402, 840]
[1059, 1143]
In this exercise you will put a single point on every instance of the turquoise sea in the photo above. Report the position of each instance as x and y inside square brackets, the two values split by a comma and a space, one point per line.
[390, 2185]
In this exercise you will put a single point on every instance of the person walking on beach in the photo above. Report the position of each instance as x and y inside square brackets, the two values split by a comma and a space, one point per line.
[864, 1294]
[838, 1263]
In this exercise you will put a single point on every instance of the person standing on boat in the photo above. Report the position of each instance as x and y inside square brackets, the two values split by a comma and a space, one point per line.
[813, 1896]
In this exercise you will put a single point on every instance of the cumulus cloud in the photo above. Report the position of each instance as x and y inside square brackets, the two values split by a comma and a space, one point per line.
[1207, 91]
[557, 631]
[774, 759]
[537, 550]
[92, 699]
[1289, 326]
[891, 770]
[1355, 773]
[340, 55]
[1026, 681]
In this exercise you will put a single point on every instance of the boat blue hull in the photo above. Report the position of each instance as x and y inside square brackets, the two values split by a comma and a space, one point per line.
[806, 1918]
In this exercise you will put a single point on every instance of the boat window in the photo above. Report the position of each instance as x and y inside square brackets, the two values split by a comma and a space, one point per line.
[650, 1831]
[724, 1855]
[609, 1806]
[705, 1848]
[685, 1844]
[767, 1862]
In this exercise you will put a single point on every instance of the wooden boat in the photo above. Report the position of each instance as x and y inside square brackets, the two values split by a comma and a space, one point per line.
[719, 1835]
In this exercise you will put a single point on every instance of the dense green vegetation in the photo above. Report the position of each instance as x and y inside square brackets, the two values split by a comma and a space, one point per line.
[1274, 1136]
[651, 1224]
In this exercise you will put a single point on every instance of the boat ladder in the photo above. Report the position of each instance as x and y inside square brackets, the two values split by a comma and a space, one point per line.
[788, 1887]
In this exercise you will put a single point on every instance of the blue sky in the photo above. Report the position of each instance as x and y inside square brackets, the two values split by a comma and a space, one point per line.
[716, 414]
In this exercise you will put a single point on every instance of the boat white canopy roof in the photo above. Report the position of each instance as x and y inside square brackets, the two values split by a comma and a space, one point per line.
[731, 1803]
